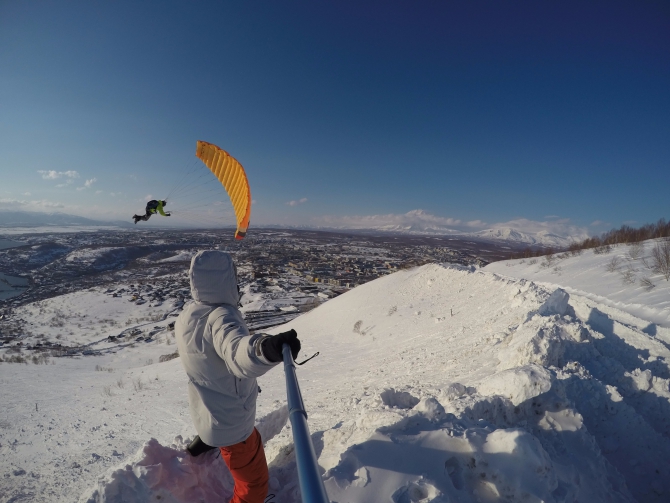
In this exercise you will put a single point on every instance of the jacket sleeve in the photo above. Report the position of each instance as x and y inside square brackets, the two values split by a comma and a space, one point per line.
[160, 209]
[239, 350]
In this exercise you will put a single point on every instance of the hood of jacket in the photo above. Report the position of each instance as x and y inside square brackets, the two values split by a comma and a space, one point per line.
[214, 278]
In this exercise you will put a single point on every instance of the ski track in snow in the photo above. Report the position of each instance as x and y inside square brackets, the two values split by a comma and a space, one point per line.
[457, 385]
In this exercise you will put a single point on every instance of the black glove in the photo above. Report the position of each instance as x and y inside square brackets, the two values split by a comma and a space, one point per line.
[272, 345]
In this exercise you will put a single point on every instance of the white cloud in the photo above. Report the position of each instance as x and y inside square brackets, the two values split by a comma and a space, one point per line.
[26, 193]
[87, 184]
[48, 204]
[68, 182]
[412, 220]
[98, 192]
[297, 202]
[6, 202]
[27, 205]
[53, 175]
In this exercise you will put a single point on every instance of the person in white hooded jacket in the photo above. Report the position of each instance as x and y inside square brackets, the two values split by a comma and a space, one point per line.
[222, 361]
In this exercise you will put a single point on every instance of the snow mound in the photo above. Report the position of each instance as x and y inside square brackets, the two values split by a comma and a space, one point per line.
[429, 455]
[170, 474]
[557, 303]
[270, 425]
[518, 384]
[433, 384]
[622, 278]
[518, 393]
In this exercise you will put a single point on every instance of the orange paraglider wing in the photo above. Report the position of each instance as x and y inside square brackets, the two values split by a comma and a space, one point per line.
[233, 178]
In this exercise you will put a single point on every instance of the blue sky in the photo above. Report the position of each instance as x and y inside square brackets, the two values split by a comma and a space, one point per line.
[479, 113]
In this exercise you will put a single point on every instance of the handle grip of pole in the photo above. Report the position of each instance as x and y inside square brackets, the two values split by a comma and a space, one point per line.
[295, 402]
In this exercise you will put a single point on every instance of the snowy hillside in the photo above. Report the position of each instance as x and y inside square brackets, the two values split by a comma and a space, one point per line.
[622, 279]
[436, 384]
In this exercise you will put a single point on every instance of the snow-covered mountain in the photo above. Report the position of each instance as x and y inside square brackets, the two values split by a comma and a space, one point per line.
[541, 238]
[420, 222]
[434, 384]
[415, 222]
[38, 219]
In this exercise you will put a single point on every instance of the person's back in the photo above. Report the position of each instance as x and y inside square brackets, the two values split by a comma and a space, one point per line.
[222, 361]
[221, 371]
[154, 206]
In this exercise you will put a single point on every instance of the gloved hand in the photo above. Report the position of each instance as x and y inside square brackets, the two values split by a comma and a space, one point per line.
[272, 345]
[168, 214]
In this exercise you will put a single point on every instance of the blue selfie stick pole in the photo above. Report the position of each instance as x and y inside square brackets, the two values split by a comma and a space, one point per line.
[311, 485]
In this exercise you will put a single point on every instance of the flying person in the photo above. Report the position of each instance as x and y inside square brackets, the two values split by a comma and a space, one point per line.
[222, 361]
[153, 207]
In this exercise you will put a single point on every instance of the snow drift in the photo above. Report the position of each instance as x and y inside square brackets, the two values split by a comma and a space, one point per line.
[437, 384]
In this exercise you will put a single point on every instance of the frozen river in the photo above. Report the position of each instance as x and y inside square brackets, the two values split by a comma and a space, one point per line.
[9, 243]
[11, 286]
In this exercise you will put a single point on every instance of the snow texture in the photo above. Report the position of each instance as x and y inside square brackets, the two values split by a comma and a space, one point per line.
[437, 384]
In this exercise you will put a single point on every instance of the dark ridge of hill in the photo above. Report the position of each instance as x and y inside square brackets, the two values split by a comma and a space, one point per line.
[36, 219]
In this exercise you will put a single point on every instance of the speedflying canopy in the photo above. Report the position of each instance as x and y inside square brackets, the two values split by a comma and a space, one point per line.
[233, 178]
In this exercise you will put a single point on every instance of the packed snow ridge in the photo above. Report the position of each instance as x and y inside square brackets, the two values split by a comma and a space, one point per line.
[437, 384]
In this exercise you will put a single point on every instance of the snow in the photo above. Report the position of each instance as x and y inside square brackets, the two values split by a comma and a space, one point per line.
[277, 298]
[87, 317]
[590, 275]
[435, 384]
[542, 238]
[169, 474]
[422, 223]
[182, 256]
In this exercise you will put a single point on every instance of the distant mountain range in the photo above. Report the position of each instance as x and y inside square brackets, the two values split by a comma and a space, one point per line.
[542, 238]
[11, 219]
[520, 232]
[517, 237]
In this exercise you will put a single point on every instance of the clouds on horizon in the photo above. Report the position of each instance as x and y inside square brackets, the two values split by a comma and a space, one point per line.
[419, 220]
[53, 175]
[413, 221]
[24, 204]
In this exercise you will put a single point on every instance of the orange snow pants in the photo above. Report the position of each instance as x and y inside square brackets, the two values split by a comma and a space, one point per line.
[246, 461]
